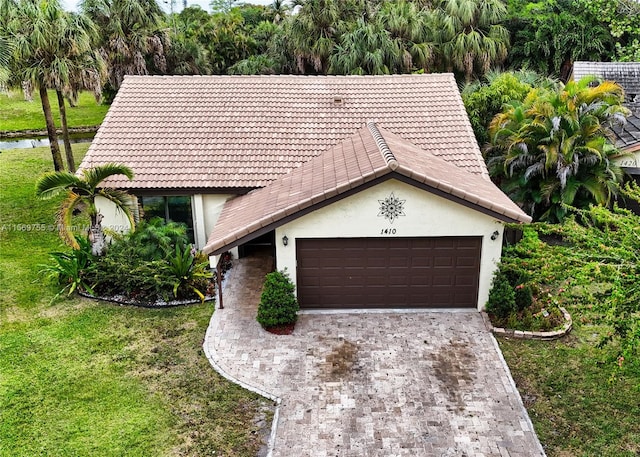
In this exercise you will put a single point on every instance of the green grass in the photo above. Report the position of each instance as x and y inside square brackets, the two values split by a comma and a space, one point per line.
[577, 410]
[17, 114]
[85, 378]
[582, 399]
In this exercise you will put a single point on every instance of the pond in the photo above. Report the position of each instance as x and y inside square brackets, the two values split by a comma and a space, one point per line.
[36, 142]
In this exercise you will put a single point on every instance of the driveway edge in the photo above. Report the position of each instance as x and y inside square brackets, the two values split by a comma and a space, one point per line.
[211, 354]
[517, 393]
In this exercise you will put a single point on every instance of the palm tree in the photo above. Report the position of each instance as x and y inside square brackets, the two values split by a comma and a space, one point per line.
[367, 50]
[315, 30]
[230, 42]
[409, 27]
[34, 29]
[132, 34]
[279, 9]
[81, 197]
[80, 67]
[5, 55]
[470, 36]
[552, 149]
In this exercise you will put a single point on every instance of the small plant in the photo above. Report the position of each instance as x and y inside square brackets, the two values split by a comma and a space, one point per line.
[278, 304]
[156, 239]
[189, 272]
[502, 297]
[69, 269]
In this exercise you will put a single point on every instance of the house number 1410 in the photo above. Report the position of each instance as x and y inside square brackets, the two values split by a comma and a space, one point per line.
[388, 231]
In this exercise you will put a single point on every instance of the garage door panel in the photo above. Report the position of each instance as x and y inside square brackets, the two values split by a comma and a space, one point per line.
[442, 280]
[388, 272]
[443, 261]
[465, 261]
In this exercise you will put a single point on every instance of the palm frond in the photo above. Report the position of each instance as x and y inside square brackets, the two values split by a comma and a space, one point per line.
[65, 218]
[95, 175]
[123, 202]
[53, 183]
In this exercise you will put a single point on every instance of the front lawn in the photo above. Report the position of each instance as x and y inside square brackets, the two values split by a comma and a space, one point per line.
[575, 407]
[18, 114]
[582, 394]
[79, 377]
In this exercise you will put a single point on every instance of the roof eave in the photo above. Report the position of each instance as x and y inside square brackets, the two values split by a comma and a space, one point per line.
[284, 216]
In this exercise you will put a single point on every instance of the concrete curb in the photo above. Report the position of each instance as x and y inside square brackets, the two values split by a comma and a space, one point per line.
[212, 355]
[517, 392]
[526, 335]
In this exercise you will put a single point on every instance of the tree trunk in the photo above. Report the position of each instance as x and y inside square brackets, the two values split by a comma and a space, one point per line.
[565, 70]
[71, 164]
[27, 91]
[96, 235]
[58, 165]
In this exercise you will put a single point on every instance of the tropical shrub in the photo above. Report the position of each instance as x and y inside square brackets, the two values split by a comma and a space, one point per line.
[71, 269]
[153, 263]
[590, 264]
[154, 239]
[189, 272]
[548, 36]
[511, 302]
[552, 151]
[278, 303]
[485, 98]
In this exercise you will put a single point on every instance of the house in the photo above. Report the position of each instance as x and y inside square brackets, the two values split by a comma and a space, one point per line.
[371, 190]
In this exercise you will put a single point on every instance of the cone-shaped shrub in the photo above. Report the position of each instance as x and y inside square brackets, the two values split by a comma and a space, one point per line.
[278, 304]
[502, 297]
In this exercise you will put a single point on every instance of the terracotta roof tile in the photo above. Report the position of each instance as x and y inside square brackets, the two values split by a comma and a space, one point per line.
[377, 152]
[246, 131]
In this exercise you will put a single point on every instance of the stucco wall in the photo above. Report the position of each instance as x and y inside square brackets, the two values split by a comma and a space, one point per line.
[631, 160]
[425, 215]
[212, 205]
[114, 219]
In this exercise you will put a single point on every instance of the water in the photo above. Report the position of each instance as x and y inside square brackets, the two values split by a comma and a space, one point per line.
[27, 143]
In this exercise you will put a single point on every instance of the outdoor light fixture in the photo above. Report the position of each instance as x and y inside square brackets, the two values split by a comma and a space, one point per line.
[285, 240]
[495, 235]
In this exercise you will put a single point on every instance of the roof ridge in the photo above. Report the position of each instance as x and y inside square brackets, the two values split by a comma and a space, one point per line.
[383, 147]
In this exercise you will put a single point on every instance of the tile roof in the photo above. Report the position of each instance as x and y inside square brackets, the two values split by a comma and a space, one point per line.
[627, 75]
[201, 132]
[628, 135]
[368, 154]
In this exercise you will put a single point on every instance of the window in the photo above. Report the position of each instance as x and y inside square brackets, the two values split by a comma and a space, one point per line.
[174, 208]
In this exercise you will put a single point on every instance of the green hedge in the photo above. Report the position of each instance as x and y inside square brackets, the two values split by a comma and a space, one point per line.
[278, 304]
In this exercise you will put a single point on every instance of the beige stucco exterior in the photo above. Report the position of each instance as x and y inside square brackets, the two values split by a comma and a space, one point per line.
[114, 220]
[629, 160]
[425, 215]
[212, 206]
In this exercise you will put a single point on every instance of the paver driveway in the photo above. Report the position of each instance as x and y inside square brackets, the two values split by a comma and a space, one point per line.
[381, 384]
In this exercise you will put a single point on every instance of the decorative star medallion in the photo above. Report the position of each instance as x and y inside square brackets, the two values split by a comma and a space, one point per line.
[391, 208]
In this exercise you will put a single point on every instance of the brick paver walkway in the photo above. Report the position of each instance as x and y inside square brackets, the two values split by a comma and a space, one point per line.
[376, 384]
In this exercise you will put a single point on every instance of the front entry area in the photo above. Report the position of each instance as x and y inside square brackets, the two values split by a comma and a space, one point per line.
[421, 272]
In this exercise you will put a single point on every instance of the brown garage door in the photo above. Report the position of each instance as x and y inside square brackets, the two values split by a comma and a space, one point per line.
[388, 272]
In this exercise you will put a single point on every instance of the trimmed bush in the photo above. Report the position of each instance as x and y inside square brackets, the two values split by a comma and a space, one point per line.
[278, 304]
[502, 297]
[523, 297]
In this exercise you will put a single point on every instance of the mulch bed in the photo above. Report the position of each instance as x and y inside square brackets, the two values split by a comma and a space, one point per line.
[122, 300]
[281, 329]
